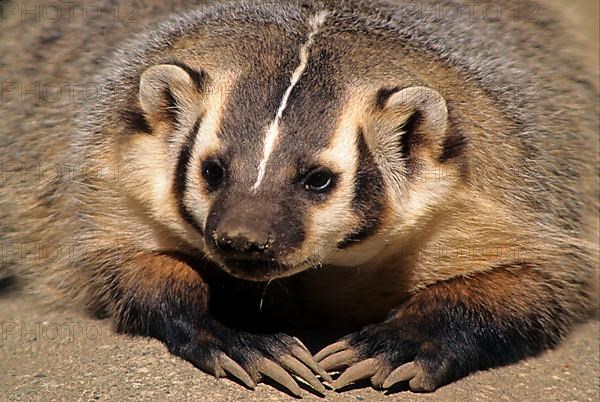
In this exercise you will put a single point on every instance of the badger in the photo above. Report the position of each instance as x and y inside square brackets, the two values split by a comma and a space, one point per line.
[226, 176]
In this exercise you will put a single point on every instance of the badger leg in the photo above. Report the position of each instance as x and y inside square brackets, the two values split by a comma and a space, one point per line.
[161, 296]
[453, 328]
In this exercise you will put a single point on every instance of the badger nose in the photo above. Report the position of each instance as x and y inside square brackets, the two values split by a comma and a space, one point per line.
[238, 242]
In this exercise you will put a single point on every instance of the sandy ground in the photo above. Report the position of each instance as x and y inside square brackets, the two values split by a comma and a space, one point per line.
[53, 355]
[60, 355]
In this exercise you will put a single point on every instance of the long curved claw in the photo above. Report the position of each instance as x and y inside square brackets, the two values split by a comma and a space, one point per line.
[331, 349]
[378, 379]
[340, 359]
[305, 357]
[403, 373]
[231, 367]
[270, 369]
[300, 343]
[364, 369]
[296, 367]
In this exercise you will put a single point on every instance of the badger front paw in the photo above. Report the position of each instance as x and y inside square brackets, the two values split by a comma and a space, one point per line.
[251, 358]
[388, 355]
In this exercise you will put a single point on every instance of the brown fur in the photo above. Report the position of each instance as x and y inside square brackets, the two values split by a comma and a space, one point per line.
[498, 211]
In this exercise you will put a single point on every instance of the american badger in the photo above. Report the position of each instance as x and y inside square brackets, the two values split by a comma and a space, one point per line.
[222, 176]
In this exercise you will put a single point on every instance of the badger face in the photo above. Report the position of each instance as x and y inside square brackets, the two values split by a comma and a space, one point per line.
[283, 158]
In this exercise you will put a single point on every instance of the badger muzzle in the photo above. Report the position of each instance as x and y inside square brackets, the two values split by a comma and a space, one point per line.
[251, 239]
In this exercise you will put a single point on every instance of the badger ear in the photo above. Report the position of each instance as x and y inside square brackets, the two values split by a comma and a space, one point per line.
[169, 91]
[418, 114]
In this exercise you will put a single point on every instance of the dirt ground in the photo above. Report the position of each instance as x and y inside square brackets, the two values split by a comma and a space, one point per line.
[47, 354]
[58, 355]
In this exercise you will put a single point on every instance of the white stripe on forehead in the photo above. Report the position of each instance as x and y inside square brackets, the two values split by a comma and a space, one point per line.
[316, 22]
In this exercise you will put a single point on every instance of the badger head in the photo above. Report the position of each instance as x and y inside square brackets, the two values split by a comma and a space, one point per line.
[284, 139]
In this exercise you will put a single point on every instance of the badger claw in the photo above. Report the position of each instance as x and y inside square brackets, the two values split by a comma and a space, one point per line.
[331, 349]
[301, 353]
[380, 375]
[295, 366]
[361, 356]
[226, 364]
[362, 370]
[250, 358]
[276, 373]
[403, 373]
[291, 358]
[340, 359]
[418, 379]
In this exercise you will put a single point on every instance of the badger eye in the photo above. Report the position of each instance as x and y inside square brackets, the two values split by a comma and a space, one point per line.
[319, 180]
[213, 173]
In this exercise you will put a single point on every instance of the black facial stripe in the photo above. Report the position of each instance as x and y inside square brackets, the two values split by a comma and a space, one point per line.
[369, 191]
[313, 108]
[248, 107]
[181, 172]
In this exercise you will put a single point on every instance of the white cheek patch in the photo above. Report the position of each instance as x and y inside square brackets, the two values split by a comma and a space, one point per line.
[207, 143]
[423, 197]
[156, 160]
[335, 217]
[316, 22]
[151, 183]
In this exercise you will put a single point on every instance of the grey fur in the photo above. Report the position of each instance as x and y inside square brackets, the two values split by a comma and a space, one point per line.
[542, 164]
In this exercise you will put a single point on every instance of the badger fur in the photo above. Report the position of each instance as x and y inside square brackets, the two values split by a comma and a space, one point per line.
[219, 176]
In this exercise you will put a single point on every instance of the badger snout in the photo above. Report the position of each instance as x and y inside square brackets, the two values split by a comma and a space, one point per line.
[252, 241]
[233, 240]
